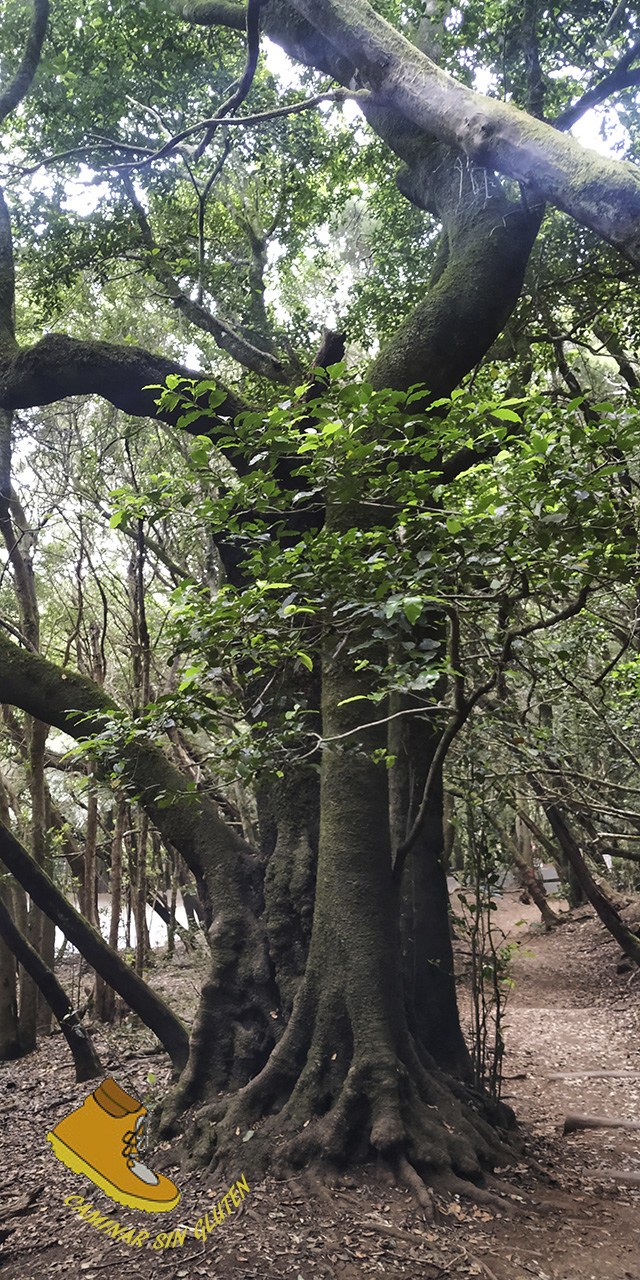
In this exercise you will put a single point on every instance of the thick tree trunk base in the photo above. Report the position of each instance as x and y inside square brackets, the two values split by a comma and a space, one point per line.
[329, 1098]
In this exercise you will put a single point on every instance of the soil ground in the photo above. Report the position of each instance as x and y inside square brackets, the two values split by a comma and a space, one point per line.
[570, 1011]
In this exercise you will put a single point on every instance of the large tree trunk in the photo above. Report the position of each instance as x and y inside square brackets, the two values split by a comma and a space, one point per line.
[289, 812]
[428, 966]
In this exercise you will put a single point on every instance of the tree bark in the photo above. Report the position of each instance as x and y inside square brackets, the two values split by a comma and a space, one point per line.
[428, 965]
[289, 817]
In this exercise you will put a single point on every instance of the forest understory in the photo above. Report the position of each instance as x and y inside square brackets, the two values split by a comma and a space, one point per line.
[570, 1011]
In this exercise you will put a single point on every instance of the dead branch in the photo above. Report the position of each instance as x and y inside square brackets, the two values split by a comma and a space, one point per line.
[574, 1122]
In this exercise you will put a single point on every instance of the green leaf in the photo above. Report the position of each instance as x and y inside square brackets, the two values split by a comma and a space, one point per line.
[412, 606]
[305, 660]
[507, 415]
[248, 1135]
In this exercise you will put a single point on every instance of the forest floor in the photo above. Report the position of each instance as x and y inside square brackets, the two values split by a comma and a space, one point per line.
[569, 1011]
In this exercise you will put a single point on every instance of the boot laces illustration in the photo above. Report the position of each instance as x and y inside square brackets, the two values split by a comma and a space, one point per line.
[106, 1140]
[135, 1144]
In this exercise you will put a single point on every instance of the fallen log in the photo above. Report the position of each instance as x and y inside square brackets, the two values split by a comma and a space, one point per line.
[618, 1175]
[573, 1122]
[589, 1075]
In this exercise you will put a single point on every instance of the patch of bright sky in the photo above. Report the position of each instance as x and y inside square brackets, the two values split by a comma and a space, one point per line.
[289, 76]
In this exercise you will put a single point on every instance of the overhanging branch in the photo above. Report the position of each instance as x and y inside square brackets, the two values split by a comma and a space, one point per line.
[212, 13]
[59, 366]
[596, 191]
[618, 79]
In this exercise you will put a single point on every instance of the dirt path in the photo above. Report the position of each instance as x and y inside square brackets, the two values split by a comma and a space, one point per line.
[569, 1011]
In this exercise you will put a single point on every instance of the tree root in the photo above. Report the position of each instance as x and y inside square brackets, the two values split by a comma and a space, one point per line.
[450, 1184]
[334, 1093]
[423, 1194]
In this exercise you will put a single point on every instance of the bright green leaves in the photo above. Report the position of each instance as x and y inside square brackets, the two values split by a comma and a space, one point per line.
[539, 513]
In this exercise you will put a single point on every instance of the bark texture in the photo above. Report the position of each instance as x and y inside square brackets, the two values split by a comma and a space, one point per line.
[428, 965]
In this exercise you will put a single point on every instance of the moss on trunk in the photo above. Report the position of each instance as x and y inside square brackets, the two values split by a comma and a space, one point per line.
[289, 818]
[347, 1080]
[234, 1030]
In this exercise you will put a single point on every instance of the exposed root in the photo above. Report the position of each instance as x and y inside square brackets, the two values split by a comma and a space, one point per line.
[502, 1187]
[335, 1094]
[313, 1183]
[450, 1184]
[423, 1194]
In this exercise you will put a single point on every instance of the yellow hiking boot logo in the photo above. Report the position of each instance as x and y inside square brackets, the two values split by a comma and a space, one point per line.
[104, 1139]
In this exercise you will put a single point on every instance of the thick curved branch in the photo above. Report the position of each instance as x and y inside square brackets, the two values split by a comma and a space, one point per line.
[23, 78]
[488, 242]
[597, 192]
[246, 80]
[77, 706]
[212, 13]
[59, 366]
